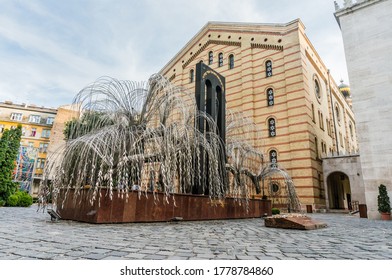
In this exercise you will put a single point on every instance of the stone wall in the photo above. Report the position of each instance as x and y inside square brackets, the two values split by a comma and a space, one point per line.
[367, 36]
[350, 166]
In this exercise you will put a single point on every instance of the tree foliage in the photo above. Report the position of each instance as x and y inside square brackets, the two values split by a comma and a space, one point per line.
[89, 122]
[9, 148]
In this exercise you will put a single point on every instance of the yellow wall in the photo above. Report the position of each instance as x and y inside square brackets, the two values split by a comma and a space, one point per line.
[28, 139]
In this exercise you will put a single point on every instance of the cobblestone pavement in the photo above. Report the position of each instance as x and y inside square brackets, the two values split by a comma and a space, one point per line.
[26, 234]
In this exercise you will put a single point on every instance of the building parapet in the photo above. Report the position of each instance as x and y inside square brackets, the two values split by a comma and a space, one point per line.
[341, 155]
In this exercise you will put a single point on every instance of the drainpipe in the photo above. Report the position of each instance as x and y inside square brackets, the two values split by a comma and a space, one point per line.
[333, 113]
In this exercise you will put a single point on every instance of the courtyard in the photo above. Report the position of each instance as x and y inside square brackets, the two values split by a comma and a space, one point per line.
[26, 234]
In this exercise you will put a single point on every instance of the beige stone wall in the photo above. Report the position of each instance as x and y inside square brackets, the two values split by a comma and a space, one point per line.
[295, 63]
[367, 38]
[350, 166]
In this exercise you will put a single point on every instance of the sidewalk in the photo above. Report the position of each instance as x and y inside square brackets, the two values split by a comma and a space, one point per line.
[26, 234]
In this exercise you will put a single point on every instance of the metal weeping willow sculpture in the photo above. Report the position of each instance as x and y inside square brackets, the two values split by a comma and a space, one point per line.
[146, 134]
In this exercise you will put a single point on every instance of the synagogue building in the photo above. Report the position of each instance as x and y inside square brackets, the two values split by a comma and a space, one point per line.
[275, 76]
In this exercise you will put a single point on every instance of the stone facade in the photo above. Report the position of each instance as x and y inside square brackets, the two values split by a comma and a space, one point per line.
[344, 180]
[65, 113]
[312, 118]
[367, 36]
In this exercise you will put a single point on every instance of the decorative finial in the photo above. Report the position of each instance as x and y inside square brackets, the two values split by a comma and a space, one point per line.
[336, 6]
[348, 3]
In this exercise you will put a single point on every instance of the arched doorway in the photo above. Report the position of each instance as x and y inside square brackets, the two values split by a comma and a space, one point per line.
[339, 191]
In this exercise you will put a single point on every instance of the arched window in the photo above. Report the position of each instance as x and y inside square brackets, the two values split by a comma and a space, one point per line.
[270, 97]
[231, 61]
[350, 126]
[317, 89]
[268, 68]
[220, 62]
[273, 158]
[313, 117]
[191, 76]
[210, 58]
[321, 121]
[271, 127]
[275, 188]
[328, 126]
[337, 113]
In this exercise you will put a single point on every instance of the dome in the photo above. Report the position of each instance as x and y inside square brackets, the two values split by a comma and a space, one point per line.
[344, 89]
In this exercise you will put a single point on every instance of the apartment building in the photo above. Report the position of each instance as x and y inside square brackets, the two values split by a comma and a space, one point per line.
[37, 123]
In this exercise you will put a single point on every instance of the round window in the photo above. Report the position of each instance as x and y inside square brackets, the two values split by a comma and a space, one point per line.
[275, 187]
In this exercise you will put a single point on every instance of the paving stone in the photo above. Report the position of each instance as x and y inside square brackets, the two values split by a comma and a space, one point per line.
[268, 258]
[165, 253]
[177, 258]
[185, 254]
[245, 257]
[134, 256]
[94, 256]
[155, 257]
[130, 250]
[113, 258]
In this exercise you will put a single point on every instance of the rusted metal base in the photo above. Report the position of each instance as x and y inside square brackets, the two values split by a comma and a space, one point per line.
[144, 208]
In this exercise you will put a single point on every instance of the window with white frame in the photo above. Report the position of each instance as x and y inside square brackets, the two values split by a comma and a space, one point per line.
[40, 163]
[45, 133]
[49, 120]
[33, 132]
[43, 147]
[34, 118]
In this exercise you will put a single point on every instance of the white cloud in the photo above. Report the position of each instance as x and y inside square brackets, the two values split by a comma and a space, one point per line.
[52, 49]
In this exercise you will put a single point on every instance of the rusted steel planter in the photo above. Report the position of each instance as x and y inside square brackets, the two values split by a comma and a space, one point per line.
[145, 209]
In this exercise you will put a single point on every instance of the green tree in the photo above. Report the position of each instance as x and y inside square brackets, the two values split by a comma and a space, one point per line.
[384, 204]
[90, 121]
[9, 148]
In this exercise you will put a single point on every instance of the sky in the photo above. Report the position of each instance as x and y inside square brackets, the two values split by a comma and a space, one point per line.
[51, 49]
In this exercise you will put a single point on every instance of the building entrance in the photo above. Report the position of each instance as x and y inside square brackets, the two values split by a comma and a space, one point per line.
[339, 191]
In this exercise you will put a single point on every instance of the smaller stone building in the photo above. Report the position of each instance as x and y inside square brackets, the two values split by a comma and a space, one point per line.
[367, 37]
